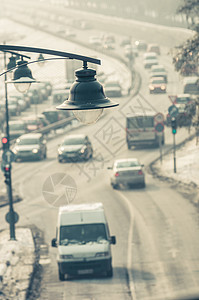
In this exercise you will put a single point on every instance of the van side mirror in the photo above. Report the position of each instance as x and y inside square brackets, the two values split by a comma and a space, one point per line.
[113, 240]
[109, 168]
[54, 243]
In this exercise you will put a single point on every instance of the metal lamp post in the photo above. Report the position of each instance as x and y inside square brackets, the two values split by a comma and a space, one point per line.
[86, 95]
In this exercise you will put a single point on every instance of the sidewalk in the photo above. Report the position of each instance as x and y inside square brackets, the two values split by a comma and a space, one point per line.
[16, 264]
[187, 169]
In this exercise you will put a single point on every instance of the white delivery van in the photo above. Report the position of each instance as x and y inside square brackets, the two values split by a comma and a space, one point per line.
[83, 241]
[140, 130]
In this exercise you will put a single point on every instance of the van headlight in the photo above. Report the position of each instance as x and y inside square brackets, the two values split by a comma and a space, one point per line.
[35, 150]
[101, 254]
[66, 256]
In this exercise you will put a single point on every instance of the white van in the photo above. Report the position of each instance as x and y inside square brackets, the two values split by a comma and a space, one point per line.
[83, 241]
[140, 130]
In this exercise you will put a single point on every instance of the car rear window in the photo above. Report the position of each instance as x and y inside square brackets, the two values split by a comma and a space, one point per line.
[140, 122]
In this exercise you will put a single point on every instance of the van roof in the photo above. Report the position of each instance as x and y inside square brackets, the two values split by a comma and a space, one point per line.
[141, 114]
[81, 214]
[81, 207]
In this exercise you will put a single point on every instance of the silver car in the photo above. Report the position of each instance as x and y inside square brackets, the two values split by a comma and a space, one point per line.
[127, 171]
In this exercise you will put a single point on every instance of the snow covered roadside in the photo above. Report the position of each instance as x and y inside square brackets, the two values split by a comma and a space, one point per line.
[16, 263]
[186, 177]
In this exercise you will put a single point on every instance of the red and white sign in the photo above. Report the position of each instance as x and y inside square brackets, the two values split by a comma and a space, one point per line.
[159, 118]
[172, 98]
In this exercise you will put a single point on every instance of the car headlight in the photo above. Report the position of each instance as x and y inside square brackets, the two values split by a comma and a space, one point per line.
[83, 149]
[66, 256]
[101, 254]
[151, 87]
[15, 150]
[163, 87]
[35, 150]
[60, 150]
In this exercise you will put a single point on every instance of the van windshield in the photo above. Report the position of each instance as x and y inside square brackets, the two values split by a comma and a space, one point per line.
[82, 233]
[140, 122]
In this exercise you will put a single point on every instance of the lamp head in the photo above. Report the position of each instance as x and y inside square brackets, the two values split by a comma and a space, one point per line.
[22, 77]
[86, 98]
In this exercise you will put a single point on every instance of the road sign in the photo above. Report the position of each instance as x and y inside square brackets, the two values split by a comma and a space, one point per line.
[159, 118]
[172, 98]
[173, 110]
[15, 217]
[159, 127]
[8, 156]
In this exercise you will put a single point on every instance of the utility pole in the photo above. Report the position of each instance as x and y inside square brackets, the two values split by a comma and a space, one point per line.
[174, 130]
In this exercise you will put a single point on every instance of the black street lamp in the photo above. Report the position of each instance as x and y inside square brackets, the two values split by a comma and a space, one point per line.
[86, 99]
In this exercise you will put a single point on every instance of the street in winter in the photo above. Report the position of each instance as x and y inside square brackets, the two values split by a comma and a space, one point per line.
[99, 125]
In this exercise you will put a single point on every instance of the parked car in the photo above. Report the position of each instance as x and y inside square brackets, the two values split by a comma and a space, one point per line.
[16, 128]
[153, 48]
[74, 148]
[127, 171]
[113, 89]
[53, 115]
[32, 123]
[13, 107]
[30, 146]
[150, 59]
[157, 85]
[191, 85]
[141, 45]
[158, 71]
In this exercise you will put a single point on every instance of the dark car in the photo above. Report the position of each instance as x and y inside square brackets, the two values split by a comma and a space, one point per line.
[33, 123]
[141, 45]
[31, 146]
[74, 148]
[53, 115]
[16, 128]
[113, 89]
[13, 107]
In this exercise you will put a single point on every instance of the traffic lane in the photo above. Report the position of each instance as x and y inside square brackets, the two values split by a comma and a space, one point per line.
[158, 102]
[164, 241]
[153, 33]
[36, 210]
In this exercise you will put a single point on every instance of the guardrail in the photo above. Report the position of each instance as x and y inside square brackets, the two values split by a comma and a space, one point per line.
[56, 125]
[51, 127]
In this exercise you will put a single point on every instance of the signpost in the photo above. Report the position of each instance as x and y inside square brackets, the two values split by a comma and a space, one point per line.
[12, 216]
[159, 118]
[173, 111]
[8, 156]
[159, 129]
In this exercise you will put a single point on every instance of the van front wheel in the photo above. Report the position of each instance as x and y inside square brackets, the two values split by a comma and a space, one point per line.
[61, 276]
